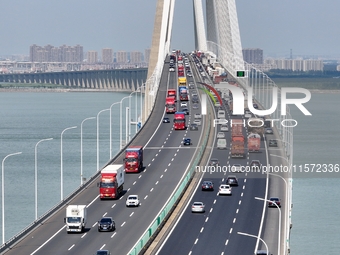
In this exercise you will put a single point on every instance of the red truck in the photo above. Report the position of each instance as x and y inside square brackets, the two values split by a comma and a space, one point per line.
[237, 139]
[133, 159]
[171, 92]
[111, 181]
[254, 142]
[170, 105]
[180, 70]
[179, 121]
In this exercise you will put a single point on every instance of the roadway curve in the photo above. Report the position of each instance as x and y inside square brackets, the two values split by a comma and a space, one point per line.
[165, 160]
[215, 231]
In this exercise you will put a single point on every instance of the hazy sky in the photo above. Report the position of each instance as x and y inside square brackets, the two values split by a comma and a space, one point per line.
[306, 27]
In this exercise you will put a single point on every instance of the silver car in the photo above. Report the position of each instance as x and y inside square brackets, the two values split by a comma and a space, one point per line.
[220, 135]
[198, 207]
[198, 116]
[197, 122]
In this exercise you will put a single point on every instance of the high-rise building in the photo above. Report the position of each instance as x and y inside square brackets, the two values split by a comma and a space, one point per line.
[107, 56]
[121, 57]
[92, 57]
[253, 55]
[136, 57]
[50, 53]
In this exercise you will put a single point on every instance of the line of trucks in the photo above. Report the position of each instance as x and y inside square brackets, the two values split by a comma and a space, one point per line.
[110, 187]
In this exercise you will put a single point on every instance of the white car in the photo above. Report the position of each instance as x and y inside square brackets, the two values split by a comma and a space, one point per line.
[184, 104]
[132, 200]
[220, 135]
[224, 127]
[247, 115]
[224, 189]
[197, 122]
[236, 168]
[198, 207]
[198, 116]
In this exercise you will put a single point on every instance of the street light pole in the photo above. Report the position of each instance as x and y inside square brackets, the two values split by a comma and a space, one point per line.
[36, 175]
[61, 163]
[81, 148]
[111, 128]
[279, 233]
[121, 119]
[257, 237]
[3, 194]
[98, 136]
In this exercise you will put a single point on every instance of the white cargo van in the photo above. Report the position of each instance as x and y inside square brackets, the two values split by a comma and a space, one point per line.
[76, 217]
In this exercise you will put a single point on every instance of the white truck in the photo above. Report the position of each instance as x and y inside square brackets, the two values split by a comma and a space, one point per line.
[76, 217]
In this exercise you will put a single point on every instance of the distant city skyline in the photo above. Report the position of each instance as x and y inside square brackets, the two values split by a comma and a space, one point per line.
[277, 27]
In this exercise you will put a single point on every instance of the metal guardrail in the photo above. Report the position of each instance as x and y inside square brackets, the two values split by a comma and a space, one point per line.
[9, 243]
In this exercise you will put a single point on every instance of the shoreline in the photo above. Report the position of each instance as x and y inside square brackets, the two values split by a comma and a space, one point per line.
[64, 90]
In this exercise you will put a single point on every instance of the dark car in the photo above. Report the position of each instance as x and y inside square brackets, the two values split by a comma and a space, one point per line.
[207, 185]
[103, 252]
[272, 143]
[186, 111]
[195, 106]
[194, 99]
[214, 162]
[166, 120]
[187, 141]
[106, 224]
[232, 180]
[269, 130]
[255, 164]
[273, 201]
[193, 126]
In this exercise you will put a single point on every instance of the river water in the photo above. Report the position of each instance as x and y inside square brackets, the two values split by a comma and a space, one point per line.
[26, 118]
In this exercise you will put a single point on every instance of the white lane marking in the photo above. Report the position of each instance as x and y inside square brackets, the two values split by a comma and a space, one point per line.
[113, 205]
[237, 211]
[132, 214]
[202, 229]
[71, 247]
[94, 224]
[245, 180]
[156, 155]
[128, 189]
[139, 176]
[234, 220]
[165, 169]
[231, 230]
[102, 247]
[83, 235]
[149, 164]
[161, 176]
[239, 202]
[214, 201]
[48, 240]
[113, 234]
[134, 183]
[175, 154]
[244, 186]
[169, 164]
[211, 209]
[156, 183]
[104, 214]
[151, 189]
[172, 159]
[206, 219]
[152, 160]
[92, 201]
[196, 240]
[123, 224]
[226, 242]
[242, 194]
[146, 197]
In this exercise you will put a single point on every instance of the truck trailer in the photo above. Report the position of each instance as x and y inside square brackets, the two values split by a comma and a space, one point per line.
[111, 181]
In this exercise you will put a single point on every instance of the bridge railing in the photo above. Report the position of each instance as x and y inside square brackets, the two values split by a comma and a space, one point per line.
[263, 88]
